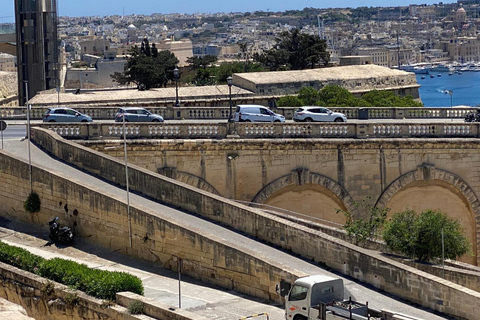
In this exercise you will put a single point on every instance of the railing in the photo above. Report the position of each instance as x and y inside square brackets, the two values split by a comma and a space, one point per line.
[93, 131]
[105, 113]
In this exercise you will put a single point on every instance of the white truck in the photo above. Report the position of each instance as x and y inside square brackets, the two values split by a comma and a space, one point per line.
[322, 297]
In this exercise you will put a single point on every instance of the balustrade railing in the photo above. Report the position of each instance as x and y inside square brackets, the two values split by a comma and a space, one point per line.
[94, 131]
[105, 113]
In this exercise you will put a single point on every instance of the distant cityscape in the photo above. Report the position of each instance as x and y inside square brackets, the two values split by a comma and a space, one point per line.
[388, 36]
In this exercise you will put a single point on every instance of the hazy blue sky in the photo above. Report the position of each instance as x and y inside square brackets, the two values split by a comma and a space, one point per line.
[108, 7]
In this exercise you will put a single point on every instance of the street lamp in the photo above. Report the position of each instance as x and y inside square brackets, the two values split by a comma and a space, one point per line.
[230, 82]
[451, 98]
[176, 74]
[29, 106]
[126, 179]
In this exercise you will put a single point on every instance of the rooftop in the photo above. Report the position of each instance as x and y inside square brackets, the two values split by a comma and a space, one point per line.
[323, 74]
[93, 96]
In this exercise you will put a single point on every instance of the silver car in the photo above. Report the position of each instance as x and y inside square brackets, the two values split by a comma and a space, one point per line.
[309, 114]
[65, 115]
[136, 114]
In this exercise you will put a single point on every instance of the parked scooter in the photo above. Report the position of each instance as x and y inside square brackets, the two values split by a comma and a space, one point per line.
[60, 235]
[472, 116]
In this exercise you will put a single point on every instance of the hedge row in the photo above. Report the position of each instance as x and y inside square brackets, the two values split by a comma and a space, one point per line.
[94, 282]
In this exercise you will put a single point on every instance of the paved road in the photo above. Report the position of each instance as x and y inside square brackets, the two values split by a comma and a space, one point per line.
[161, 284]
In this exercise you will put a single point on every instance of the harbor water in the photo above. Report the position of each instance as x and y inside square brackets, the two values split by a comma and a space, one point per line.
[444, 90]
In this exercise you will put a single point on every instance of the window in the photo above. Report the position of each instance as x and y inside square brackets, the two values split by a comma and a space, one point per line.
[298, 293]
[264, 111]
[326, 290]
[60, 111]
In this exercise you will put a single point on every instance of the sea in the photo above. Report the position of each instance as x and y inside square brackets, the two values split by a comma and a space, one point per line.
[444, 90]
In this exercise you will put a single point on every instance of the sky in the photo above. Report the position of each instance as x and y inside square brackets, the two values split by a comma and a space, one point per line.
[110, 7]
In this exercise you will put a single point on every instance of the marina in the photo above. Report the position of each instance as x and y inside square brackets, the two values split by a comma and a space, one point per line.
[449, 88]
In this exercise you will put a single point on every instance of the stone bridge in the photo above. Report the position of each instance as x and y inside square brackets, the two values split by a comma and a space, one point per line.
[318, 176]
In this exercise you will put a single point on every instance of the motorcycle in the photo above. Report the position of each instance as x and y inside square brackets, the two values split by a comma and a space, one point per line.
[60, 235]
[472, 117]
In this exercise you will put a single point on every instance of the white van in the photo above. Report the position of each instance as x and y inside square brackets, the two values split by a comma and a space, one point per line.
[254, 113]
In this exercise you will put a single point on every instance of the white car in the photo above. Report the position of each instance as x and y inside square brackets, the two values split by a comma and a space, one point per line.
[313, 113]
[254, 113]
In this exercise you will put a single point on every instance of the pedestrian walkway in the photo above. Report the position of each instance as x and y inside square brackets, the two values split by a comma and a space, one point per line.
[161, 284]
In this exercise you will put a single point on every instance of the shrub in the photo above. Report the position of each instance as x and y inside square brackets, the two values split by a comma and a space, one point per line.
[364, 225]
[19, 258]
[400, 232]
[136, 307]
[32, 204]
[420, 236]
[97, 283]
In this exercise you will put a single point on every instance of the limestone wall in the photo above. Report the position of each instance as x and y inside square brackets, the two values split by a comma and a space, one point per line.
[8, 89]
[405, 282]
[401, 173]
[45, 300]
[103, 220]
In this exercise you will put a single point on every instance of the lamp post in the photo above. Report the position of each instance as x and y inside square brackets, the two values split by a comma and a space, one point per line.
[176, 74]
[28, 136]
[451, 98]
[126, 180]
[230, 82]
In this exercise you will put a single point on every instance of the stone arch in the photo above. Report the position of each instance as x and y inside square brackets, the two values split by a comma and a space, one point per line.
[196, 182]
[189, 179]
[428, 173]
[301, 177]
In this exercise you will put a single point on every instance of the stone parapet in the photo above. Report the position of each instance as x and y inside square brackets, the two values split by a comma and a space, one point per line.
[221, 130]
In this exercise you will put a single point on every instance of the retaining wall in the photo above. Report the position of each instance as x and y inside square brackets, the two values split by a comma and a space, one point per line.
[104, 220]
[44, 300]
[373, 268]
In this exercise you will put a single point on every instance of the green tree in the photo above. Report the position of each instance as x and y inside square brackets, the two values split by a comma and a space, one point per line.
[400, 232]
[384, 99]
[336, 96]
[420, 236]
[295, 51]
[226, 69]
[201, 62]
[308, 95]
[365, 223]
[289, 101]
[145, 70]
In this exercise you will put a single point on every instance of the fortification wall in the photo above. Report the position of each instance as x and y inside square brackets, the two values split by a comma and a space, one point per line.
[373, 268]
[103, 220]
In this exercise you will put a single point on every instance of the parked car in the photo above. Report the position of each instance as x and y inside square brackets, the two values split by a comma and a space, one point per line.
[254, 113]
[309, 114]
[136, 114]
[65, 115]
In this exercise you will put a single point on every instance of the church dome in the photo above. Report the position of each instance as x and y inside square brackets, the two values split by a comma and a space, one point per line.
[131, 27]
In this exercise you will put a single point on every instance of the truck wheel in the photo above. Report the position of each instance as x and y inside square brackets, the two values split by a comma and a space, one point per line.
[299, 317]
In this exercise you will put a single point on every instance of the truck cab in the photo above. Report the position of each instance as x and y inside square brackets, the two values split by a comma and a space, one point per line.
[308, 292]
